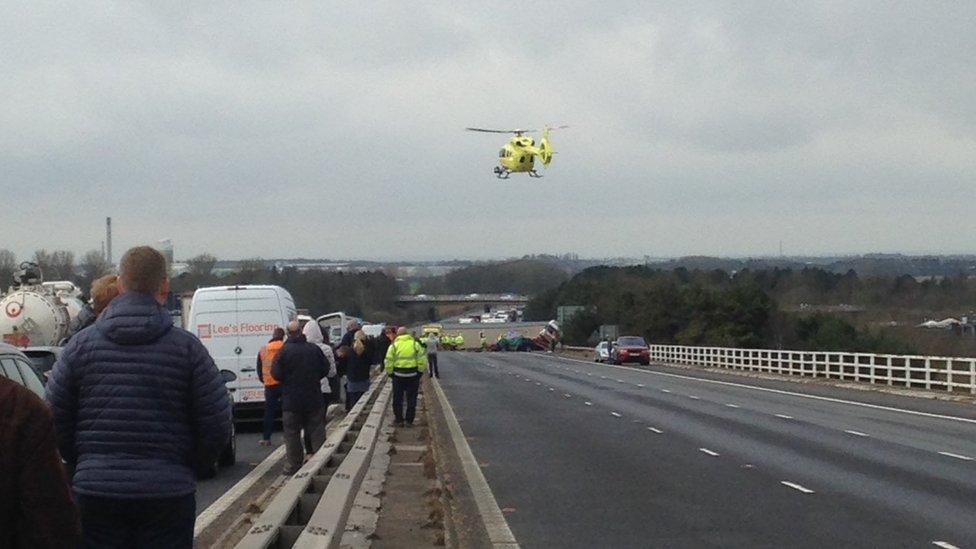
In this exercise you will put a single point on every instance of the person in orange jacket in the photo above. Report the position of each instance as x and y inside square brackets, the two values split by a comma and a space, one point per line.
[272, 391]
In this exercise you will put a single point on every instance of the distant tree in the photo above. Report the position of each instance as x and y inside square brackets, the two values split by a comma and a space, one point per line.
[43, 259]
[201, 266]
[93, 265]
[8, 264]
[62, 266]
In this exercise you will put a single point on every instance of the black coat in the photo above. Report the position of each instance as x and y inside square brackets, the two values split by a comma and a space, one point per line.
[300, 367]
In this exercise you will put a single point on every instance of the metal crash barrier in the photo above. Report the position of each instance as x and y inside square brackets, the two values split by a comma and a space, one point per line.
[311, 508]
[948, 374]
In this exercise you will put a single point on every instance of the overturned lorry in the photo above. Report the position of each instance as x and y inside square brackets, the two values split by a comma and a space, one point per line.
[546, 340]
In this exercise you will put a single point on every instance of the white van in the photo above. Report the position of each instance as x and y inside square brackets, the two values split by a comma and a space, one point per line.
[233, 322]
[335, 324]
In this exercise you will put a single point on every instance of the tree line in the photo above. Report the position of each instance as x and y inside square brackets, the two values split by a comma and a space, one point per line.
[57, 265]
[750, 308]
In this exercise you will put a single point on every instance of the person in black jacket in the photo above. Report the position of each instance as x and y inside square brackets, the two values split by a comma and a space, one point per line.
[299, 368]
[138, 405]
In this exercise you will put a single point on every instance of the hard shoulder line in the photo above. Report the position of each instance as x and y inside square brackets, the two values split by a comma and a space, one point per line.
[776, 391]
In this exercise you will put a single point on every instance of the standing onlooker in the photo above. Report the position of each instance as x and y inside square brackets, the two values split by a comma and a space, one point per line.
[357, 373]
[272, 388]
[313, 333]
[36, 508]
[138, 404]
[103, 290]
[300, 367]
[432, 340]
[406, 362]
[345, 351]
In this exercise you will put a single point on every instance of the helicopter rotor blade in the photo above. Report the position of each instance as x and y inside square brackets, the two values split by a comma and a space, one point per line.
[498, 131]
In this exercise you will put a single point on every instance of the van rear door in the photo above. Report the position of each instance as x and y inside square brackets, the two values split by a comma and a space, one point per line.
[259, 312]
[214, 320]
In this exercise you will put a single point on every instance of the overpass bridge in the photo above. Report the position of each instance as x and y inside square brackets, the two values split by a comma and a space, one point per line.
[707, 447]
[442, 306]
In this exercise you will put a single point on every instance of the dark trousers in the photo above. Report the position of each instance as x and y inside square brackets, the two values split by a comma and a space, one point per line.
[272, 403]
[352, 397]
[313, 423]
[306, 436]
[432, 365]
[165, 523]
[405, 387]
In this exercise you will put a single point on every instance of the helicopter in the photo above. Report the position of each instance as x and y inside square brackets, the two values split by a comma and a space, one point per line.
[518, 155]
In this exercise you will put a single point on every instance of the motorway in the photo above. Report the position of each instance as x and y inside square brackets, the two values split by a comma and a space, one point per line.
[580, 454]
[249, 454]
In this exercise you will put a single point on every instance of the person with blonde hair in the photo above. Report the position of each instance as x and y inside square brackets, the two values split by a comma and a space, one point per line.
[103, 291]
[357, 369]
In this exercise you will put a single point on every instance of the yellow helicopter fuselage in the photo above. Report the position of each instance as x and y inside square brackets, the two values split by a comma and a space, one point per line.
[518, 155]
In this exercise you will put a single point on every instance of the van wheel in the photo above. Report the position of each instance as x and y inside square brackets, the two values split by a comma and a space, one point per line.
[229, 456]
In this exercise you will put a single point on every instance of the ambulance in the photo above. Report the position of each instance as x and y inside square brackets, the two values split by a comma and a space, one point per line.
[234, 322]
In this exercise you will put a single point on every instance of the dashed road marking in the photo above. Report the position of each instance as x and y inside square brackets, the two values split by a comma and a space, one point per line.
[957, 456]
[615, 414]
[640, 385]
[857, 433]
[620, 381]
[603, 377]
[567, 395]
[795, 486]
[588, 403]
[655, 430]
[784, 416]
[551, 389]
[944, 545]
[665, 391]
[709, 452]
[732, 405]
[693, 397]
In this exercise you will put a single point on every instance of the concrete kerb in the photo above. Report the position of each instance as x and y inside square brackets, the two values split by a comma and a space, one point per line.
[327, 523]
[499, 533]
[365, 513]
[232, 497]
[266, 528]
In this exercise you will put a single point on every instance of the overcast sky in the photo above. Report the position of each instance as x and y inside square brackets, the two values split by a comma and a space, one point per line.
[334, 129]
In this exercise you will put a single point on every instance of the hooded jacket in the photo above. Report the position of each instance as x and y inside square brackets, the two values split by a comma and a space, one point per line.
[313, 333]
[138, 404]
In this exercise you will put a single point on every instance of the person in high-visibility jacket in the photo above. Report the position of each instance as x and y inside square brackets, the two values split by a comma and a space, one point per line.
[272, 391]
[459, 342]
[406, 361]
[482, 341]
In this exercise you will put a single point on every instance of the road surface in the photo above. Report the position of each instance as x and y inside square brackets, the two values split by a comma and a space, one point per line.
[249, 454]
[586, 455]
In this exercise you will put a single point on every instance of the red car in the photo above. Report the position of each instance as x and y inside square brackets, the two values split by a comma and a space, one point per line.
[631, 349]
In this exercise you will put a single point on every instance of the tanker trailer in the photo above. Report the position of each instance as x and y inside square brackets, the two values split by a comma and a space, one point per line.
[35, 313]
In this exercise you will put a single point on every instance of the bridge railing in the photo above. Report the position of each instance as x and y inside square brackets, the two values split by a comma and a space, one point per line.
[950, 374]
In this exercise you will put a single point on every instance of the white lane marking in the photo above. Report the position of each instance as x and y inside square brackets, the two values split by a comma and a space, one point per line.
[693, 397]
[603, 377]
[588, 403]
[654, 430]
[615, 414]
[944, 545]
[857, 433]
[709, 452]
[537, 383]
[957, 456]
[782, 392]
[797, 487]
[665, 391]
[551, 389]
[567, 395]
[640, 385]
[784, 416]
[620, 381]
[589, 374]
[732, 405]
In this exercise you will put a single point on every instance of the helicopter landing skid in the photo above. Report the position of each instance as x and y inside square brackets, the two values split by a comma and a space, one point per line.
[501, 173]
[535, 174]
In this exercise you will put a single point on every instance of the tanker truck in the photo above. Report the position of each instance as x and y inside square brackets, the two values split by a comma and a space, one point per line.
[35, 313]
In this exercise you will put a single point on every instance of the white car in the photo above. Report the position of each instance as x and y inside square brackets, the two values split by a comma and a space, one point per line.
[602, 353]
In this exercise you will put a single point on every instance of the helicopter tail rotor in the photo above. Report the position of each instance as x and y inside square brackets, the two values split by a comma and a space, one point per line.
[545, 148]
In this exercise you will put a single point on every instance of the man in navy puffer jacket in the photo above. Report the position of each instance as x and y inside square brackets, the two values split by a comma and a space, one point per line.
[138, 404]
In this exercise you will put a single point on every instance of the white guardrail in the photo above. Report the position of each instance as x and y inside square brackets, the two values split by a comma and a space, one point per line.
[950, 374]
[910, 371]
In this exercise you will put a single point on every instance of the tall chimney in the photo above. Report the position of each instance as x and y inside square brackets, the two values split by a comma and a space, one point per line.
[108, 240]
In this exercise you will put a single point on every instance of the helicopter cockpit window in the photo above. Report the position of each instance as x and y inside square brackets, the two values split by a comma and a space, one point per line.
[501, 153]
